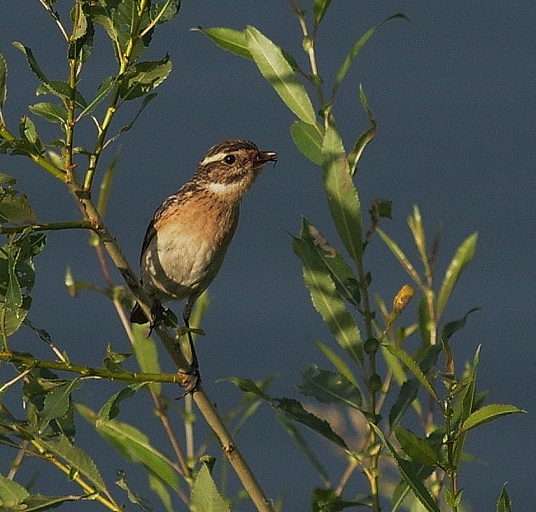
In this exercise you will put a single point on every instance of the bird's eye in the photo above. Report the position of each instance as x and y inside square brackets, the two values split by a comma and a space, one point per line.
[229, 159]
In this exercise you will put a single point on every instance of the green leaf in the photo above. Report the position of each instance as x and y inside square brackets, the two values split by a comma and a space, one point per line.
[308, 140]
[142, 78]
[319, 10]
[400, 256]
[413, 367]
[3, 84]
[328, 302]
[362, 142]
[104, 88]
[295, 411]
[409, 475]
[330, 388]
[356, 48]
[341, 273]
[11, 493]
[342, 196]
[463, 256]
[228, 39]
[248, 386]
[165, 11]
[51, 112]
[146, 354]
[338, 363]
[77, 459]
[406, 396]
[505, 503]
[327, 500]
[489, 413]
[61, 90]
[415, 447]
[34, 66]
[456, 325]
[111, 408]
[205, 494]
[134, 446]
[57, 403]
[274, 66]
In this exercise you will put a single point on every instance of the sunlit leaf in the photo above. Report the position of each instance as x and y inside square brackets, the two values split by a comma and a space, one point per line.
[329, 388]
[505, 503]
[228, 39]
[461, 259]
[342, 196]
[409, 475]
[413, 367]
[415, 447]
[308, 140]
[143, 78]
[356, 48]
[406, 396]
[205, 494]
[76, 458]
[134, 446]
[295, 411]
[274, 66]
[319, 10]
[51, 112]
[489, 413]
[328, 302]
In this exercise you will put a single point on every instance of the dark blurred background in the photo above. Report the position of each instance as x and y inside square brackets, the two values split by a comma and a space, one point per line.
[453, 92]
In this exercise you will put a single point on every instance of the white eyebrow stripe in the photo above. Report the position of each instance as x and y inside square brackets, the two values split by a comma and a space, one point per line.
[214, 158]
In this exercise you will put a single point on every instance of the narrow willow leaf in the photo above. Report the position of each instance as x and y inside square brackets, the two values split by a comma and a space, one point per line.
[3, 84]
[338, 363]
[356, 48]
[274, 66]
[308, 140]
[165, 11]
[463, 256]
[456, 325]
[51, 112]
[319, 10]
[342, 196]
[228, 39]
[465, 406]
[146, 354]
[303, 446]
[415, 447]
[205, 494]
[142, 78]
[34, 66]
[400, 256]
[366, 137]
[345, 280]
[295, 411]
[76, 459]
[505, 503]
[104, 88]
[489, 413]
[328, 302]
[111, 408]
[413, 367]
[406, 396]
[409, 475]
[329, 388]
[248, 386]
[134, 446]
[61, 90]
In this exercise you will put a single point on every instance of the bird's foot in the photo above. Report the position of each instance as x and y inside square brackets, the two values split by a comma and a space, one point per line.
[192, 381]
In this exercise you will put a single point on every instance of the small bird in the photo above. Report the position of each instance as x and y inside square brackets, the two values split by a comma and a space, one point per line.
[187, 239]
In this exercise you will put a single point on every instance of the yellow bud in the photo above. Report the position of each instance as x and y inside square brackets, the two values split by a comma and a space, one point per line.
[402, 298]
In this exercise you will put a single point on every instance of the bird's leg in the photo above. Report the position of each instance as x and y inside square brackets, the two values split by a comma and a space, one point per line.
[194, 365]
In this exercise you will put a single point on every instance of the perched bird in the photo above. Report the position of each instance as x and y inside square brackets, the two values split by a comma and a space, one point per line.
[187, 239]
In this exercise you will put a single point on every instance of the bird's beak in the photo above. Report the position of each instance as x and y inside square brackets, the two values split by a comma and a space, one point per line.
[266, 156]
